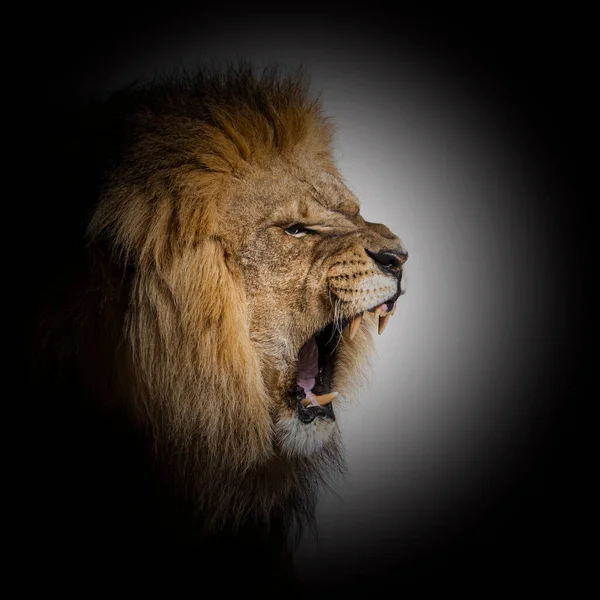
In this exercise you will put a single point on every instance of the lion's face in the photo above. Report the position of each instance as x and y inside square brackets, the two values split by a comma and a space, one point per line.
[318, 280]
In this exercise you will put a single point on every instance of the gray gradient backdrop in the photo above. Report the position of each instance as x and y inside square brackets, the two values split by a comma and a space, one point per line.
[460, 386]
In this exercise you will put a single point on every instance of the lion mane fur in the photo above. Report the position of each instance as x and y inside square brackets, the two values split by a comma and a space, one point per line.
[194, 377]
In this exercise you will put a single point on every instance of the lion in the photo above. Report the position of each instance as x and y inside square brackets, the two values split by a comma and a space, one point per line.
[231, 293]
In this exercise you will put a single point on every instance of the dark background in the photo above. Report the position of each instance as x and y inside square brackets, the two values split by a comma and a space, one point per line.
[532, 536]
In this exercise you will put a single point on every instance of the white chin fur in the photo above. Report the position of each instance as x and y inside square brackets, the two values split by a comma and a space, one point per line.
[303, 439]
[403, 282]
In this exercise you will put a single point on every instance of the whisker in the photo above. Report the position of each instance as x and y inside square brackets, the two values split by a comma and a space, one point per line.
[337, 327]
[334, 328]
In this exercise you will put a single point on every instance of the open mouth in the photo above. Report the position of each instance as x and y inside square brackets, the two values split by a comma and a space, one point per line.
[312, 392]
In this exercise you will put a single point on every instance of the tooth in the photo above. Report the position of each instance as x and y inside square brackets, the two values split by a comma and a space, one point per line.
[377, 312]
[326, 398]
[393, 308]
[383, 321]
[354, 325]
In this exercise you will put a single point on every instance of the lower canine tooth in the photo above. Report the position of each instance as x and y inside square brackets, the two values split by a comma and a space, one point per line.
[324, 399]
[354, 325]
[383, 321]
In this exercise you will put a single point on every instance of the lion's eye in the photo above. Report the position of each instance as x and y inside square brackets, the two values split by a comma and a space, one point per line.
[298, 230]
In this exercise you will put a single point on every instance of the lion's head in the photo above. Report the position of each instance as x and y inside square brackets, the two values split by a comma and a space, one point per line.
[244, 284]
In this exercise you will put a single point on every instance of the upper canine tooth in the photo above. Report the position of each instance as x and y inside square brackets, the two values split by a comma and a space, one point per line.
[354, 325]
[383, 321]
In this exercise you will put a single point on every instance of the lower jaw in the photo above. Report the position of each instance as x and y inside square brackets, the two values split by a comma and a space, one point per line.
[308, 413]
[300, 436]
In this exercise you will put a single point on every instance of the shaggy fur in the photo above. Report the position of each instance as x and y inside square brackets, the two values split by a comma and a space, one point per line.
[197, 301]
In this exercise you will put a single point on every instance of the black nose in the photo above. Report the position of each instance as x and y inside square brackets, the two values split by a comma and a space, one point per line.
[388, 260]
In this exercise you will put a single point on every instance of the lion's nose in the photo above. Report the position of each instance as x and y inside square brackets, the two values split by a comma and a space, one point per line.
[389, 260]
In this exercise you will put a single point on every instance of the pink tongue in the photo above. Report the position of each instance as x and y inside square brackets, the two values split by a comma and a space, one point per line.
[383, 307]
[308, 365]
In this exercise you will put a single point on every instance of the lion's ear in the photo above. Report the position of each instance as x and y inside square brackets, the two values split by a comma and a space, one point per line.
[190, 341]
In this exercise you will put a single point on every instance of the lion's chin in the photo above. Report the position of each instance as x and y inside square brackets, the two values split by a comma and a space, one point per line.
[298, 439]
